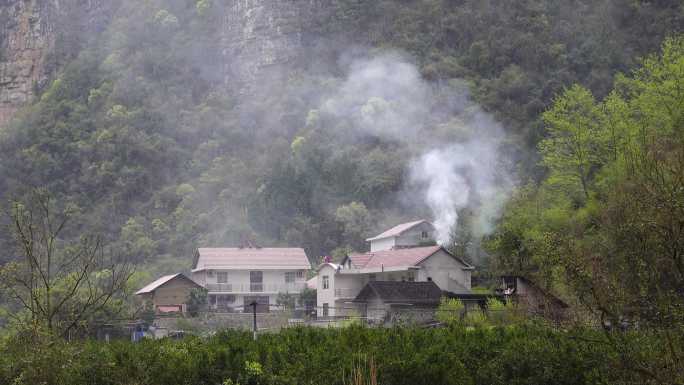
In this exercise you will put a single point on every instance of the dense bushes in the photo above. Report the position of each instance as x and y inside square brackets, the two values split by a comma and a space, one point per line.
[530, 354]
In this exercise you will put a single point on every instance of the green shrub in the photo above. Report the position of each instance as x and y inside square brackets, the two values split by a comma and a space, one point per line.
[519, 354]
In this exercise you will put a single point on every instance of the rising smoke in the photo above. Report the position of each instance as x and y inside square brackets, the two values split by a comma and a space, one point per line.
[456, 160]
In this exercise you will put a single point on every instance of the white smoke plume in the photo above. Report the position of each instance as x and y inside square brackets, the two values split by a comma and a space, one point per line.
[461, 175]
[456, 159]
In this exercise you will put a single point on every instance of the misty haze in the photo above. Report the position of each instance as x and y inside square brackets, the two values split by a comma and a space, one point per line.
[341, 192]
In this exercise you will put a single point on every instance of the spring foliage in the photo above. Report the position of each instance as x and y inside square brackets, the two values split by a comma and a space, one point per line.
[525, 354]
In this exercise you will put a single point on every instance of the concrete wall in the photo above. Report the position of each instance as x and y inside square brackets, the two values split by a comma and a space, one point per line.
[239, 280]
[376, 310]
[238, 304]
[413, 237]
[324, 296]
[382, 244]
[445, 271]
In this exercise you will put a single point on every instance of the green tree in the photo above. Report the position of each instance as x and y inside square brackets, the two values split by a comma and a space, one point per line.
[196, 301]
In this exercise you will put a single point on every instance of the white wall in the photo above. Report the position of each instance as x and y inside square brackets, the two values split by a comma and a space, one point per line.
[199, 277]
[325, 295]
[413, 236]
[273, 280]
[382, 244]
[444, 271]
[349, 285]
[239, 303]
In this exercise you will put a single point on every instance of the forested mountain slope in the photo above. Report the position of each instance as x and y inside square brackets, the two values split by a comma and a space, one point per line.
[195, 122]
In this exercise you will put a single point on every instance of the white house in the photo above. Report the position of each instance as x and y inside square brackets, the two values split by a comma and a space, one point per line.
[397, 254]
[236, 277]
[409, 234]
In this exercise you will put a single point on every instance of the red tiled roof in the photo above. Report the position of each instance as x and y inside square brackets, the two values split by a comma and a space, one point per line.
[251, 258]
[395, 257]
[397, 230]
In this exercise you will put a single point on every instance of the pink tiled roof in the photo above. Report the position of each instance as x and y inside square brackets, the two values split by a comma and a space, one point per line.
[169, 308]
[397, 230]
[392, 258]
[312, 283]
[251, 258]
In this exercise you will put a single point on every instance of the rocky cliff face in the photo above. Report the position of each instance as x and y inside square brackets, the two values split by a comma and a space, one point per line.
[26, 36]
[263, 40]
[29, 30]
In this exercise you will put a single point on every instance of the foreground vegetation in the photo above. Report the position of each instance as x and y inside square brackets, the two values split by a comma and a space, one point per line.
[524, 354]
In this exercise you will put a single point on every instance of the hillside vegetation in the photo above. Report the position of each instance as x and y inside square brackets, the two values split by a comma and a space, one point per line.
[161, 156]
[575, 107]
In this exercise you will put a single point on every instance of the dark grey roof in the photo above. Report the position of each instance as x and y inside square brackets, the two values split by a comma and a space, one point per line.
[400, 292]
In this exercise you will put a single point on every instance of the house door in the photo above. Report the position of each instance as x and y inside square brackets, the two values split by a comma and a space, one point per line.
[256, 281]
[262, 304]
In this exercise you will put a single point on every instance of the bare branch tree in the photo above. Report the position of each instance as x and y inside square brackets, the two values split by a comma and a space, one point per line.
[60, 282]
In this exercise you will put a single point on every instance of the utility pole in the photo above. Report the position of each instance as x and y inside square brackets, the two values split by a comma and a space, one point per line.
[254, 306]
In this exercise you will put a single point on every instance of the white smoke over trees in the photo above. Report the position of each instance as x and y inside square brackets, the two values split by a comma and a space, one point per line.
[456, 160]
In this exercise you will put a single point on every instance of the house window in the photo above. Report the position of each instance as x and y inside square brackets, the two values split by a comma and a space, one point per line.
[256, 281]
[300, 274]
[289, 277]
[411, 276]
[326, 309]
[326, 282]
[225, 299]
[222, 277]
[371, 277]
[424, 235]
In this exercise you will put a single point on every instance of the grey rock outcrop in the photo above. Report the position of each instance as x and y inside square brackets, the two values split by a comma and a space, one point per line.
[261, 42]
[264, 40]
[28, 32]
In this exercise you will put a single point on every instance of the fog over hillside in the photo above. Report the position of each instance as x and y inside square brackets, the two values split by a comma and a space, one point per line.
[172, 124]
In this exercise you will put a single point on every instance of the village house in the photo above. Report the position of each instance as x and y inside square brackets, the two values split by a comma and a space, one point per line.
[169, 293]
[399, 302]
[236, 277]
[404, 253]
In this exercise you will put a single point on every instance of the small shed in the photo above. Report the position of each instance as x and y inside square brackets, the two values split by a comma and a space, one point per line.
[399, 301]
[169, 293]
[536, 300]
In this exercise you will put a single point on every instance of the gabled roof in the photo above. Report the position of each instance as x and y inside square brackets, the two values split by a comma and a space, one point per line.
[411, 256]
[249, 258]
[162, 281]
[398, 230]
[425, 293]
[312, 283]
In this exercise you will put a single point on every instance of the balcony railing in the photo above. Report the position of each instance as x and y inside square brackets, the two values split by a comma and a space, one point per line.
[222, 287]
[256, 287]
